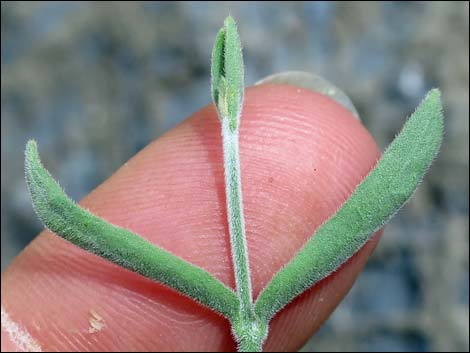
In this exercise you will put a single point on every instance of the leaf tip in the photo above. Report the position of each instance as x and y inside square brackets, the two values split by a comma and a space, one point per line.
[229, 21]
[31, 154]
[434, 96]
[31, 146]
[433, 102]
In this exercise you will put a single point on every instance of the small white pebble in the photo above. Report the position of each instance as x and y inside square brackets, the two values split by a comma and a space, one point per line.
[96, 322]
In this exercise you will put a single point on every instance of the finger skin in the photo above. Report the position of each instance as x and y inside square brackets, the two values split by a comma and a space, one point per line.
[301, 154]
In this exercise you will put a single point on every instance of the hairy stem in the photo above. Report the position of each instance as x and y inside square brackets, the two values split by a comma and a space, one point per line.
[254, 344]
[250, 334]
[227, 93]
[236, 222]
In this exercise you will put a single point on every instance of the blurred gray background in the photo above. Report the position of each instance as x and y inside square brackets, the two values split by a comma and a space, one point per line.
[96, 82]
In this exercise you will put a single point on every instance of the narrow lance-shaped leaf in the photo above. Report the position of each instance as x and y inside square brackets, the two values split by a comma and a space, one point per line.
[73, 223]
[377, 198]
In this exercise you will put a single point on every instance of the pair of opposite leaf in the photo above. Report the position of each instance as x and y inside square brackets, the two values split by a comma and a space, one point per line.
[375, 200]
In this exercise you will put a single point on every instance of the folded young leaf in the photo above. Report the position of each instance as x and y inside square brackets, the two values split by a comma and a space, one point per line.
[377, 198]
[73, 223]
[227, 74]
[218, 65]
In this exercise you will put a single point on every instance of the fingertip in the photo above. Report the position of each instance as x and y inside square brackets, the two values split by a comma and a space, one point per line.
[306, 154]
[302, 154]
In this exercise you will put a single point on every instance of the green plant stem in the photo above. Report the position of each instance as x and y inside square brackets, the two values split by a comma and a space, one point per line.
[254, 344]
[227, 93]
[248, 330]
[236, 222]
[250, 334]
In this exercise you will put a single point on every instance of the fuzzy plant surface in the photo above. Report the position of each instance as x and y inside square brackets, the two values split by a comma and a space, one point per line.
[375, 200]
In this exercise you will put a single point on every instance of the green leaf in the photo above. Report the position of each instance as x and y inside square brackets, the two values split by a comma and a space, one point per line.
[377, 198]
[73, 223]
[227, 73]
[218, 65]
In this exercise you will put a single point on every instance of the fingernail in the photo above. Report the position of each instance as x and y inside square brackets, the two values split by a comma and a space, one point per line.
[314, 83]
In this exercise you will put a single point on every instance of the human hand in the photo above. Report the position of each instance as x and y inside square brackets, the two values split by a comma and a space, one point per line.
[302, 155]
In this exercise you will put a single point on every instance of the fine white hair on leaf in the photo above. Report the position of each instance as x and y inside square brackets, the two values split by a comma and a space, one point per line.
[19, 335]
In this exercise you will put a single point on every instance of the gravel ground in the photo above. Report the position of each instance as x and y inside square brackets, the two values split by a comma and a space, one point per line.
[94, 83]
